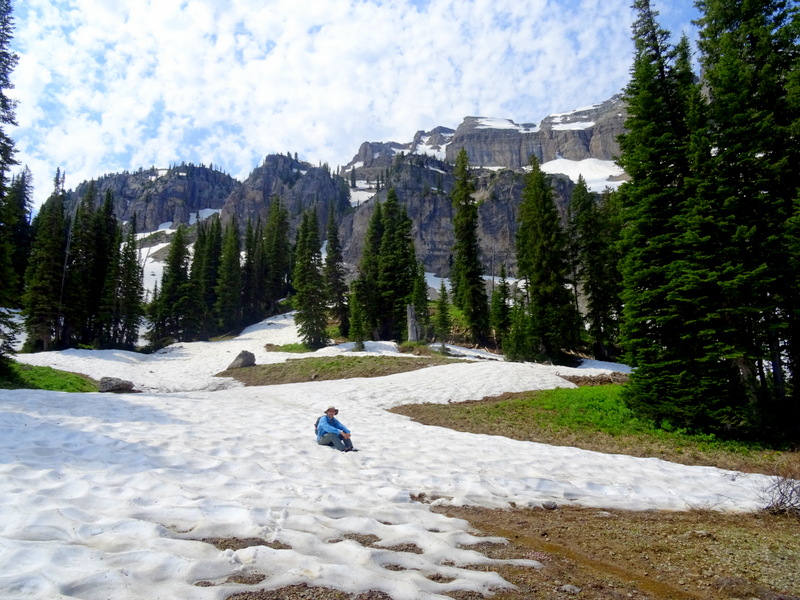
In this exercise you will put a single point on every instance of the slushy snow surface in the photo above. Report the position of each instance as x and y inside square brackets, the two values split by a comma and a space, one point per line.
[107, 496]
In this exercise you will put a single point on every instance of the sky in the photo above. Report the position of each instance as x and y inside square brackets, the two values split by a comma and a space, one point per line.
[106, 496]
[108, 86]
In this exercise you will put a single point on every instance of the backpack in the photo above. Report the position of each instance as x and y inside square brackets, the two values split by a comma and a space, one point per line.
[316, 423]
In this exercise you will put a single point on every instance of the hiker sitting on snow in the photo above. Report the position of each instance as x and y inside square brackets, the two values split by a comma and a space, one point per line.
[331, 432]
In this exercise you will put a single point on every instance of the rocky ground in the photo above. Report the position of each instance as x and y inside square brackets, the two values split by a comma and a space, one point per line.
[593, 554]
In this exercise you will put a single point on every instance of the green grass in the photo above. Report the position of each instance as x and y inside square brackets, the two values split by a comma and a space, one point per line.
[21, 376]
[593, 418]
[324, 368]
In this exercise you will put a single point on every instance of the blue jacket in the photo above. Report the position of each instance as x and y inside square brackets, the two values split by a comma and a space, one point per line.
[326, 425]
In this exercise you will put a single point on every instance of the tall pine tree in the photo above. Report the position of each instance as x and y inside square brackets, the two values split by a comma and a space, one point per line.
[469, 288]
[309, 285]
[543, 262]
[335, 277]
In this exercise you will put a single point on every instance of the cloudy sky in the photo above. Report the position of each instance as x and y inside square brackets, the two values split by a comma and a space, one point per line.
[110, 85]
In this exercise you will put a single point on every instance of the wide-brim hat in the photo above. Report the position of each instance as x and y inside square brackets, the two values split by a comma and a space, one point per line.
[332, 408]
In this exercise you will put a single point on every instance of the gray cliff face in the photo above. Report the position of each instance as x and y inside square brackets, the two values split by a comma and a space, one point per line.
[159, 196]
[299, 187]
[585, 133]
[423, 187]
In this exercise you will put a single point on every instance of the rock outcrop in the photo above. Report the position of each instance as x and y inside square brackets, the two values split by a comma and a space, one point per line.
[583, 133]
[298, 185]
[157, 196]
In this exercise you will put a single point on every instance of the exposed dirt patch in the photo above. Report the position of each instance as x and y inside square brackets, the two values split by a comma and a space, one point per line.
[649, 554]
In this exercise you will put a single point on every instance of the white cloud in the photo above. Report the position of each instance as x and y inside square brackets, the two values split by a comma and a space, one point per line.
[104, 86]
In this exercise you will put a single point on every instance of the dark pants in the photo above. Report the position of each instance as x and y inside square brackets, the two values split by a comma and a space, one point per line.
[335, 440]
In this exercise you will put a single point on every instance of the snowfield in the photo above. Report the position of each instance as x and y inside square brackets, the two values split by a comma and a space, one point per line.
[107, 496]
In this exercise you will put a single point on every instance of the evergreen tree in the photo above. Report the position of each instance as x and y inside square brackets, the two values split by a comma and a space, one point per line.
[228, 307]
[44, 281]
[370, 300]
[419, 298]
[130, 293]
[334, 277]
[469, 288]
[8, 60]
[397, 267]
[750, 55]
[10, 220]
[170, 306]
[657, 330]
[443, 322]
[309, 285]
[15, 218]
[208, 280]
[278, 256]
[543, 262]
[500, 315]
[594, 229]
[523, 342]
[254, 274]
[358, 331]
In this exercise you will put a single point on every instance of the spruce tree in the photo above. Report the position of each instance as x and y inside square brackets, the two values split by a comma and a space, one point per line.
[469, 288]
[130, 292]
[309, 285]
[9, 218]
[358, 332]
[369, 297]
[170, 307]
[419, 298]
[278, 256]
[543, 262]
[228, 307]
[334, 277]
[397, 266]
[16, 211]
[42, 299]
[655, 153]
[750, 56]
[443, 322]
[594, 233]
[254, 274]
[500, 315]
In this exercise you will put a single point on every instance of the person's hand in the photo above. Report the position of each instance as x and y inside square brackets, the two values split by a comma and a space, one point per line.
[346, 435]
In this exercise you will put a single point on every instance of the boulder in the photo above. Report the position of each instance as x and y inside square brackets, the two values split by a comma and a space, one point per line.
[245, 359]
[115, 385]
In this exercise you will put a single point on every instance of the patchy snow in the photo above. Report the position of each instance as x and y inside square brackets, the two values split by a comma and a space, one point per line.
[576, 126]
[498, 123]
[595, 171]
[203, 214]
[359, 196]
[106, 496]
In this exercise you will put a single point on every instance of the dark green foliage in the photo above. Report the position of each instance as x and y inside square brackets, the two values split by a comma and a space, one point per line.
[543, 262]
[15, 230]
[387, 271]
[523, 342]
[278, 256]
[358, 332]
[171, 304]
[468, 286]
[334, 277]
[309, 285]
[12, 220]
[419, 298]
[370, 300]
[44, 278]
[595, 229]
[500, 315]
[228, 306]
[254, 274]
[709, 276]
[397, 268]
[443, 322]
